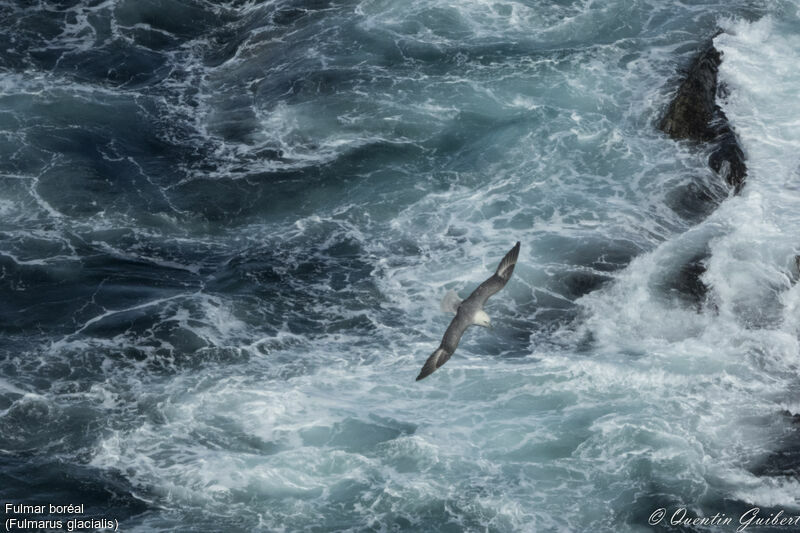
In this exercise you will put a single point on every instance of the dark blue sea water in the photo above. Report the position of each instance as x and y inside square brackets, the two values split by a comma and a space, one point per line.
[225, 228]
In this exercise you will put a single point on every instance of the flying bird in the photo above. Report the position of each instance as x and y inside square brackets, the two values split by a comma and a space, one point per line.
[469, 312]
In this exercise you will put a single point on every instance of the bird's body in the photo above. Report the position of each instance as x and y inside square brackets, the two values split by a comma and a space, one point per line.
[469, 312]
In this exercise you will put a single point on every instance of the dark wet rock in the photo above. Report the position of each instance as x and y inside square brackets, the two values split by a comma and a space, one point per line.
[786, 460]
[697, 199]
[686, 282]
[727, 159]
[793, 271]
[577, 283]
[794, 418]
[689, 282]
[695, 116]
[692, 111]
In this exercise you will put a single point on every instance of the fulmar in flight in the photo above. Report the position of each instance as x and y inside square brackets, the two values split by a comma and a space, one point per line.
[469, 312]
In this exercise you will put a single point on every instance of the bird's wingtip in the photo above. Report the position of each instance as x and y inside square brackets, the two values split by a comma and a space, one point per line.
[437, 359]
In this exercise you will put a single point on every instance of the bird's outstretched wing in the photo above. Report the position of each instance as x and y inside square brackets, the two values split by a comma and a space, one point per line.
[434, 362]
[497, 281]
[450, 341]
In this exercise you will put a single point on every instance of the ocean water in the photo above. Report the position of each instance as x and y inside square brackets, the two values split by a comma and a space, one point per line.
[225, 228]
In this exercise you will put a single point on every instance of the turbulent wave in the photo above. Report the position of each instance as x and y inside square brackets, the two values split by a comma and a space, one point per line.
[225, 228]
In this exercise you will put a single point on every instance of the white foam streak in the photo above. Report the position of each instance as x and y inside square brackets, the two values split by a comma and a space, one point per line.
[744, 345]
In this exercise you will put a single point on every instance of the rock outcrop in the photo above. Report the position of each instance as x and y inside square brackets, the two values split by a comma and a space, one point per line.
[785, 461]
[694, 115]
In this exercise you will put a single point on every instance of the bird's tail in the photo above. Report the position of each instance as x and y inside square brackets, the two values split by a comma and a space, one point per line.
[437, 359]
[450, 302]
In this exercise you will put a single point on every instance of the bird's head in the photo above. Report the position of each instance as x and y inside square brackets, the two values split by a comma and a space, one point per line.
[482, 319]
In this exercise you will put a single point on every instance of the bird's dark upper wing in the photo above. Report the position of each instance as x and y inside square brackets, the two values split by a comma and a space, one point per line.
[449, 343]
[498, 279]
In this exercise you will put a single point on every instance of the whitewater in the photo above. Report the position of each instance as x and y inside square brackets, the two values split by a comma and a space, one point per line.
[226, 227]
